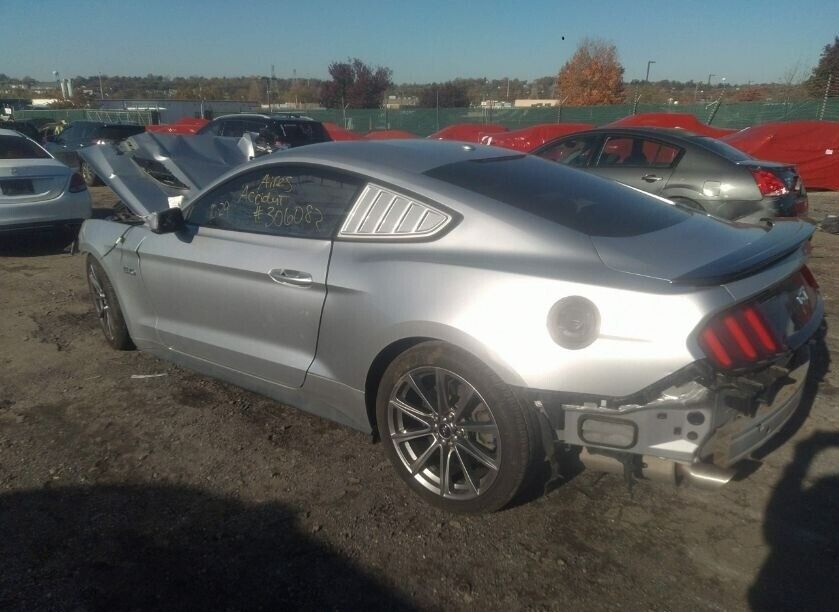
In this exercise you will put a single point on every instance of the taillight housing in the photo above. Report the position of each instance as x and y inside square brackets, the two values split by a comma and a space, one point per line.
[739, 338]
[801, 207]
[769, 183]
[77, 183]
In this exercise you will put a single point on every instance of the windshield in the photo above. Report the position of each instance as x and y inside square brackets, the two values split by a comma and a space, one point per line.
[17, 147]
[297, 133]
[578, 201]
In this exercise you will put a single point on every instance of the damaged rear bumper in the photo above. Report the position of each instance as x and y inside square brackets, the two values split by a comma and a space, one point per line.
[697, 428]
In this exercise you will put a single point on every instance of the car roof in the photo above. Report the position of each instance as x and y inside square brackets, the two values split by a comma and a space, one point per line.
[6, 132]
[272, 116]
[408, 156]
[676, 134]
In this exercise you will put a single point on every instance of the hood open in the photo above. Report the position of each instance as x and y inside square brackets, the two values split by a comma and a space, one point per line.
[147, 169]
[702, 250]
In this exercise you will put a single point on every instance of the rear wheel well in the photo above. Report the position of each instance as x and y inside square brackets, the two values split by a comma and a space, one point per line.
[377, 370]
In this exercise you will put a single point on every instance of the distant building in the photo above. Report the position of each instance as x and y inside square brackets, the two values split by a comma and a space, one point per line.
[394, 102]
[496, 104]
[534, 103]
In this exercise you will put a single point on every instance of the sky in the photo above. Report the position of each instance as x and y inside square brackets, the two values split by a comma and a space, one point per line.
[421, 41]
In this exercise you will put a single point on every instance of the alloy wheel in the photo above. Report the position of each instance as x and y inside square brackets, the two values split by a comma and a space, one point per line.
[100, 302]
[444, 433]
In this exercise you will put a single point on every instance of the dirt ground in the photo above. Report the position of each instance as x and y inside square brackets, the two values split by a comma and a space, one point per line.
[180, 492]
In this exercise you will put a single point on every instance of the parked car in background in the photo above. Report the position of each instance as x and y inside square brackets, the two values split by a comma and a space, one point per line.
[37, 191]
[700, 172]
[276, 131]
[80, 134]
[27, 128]
[475, 307]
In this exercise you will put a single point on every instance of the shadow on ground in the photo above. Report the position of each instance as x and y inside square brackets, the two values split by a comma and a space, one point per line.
[800, 527]
[36, 244]
[169, 548]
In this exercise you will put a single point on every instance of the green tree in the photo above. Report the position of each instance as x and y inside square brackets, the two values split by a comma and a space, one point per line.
[828, 65]
[450, 95]
[356, 84]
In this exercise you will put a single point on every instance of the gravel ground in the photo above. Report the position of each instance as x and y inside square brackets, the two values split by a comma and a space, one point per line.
[180, 492]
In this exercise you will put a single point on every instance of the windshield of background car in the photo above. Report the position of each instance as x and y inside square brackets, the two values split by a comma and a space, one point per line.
[117, 132]
[578, 201]
[721, 148]
[301, 133]
[17, 147]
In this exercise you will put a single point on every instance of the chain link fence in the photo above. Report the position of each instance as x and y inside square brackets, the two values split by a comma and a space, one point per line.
[425, 121]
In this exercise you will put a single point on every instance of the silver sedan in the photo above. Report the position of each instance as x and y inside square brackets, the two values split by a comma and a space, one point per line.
[36, 190]
[476, 309]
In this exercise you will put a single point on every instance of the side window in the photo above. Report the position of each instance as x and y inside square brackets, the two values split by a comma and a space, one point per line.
[233, 127]
[572, 152]
[637, 153]
[254, 126]
[295, 201]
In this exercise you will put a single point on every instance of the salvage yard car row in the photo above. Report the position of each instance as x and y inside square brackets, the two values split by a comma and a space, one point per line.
[480, 311]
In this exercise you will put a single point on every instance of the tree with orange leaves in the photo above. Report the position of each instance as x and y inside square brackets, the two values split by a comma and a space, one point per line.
[593, 75]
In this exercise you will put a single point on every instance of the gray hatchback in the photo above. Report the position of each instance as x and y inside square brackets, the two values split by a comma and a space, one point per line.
[697, 171]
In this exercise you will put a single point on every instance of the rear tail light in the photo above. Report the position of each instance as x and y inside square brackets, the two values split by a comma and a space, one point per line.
[769, 183]
[76, 183]
[738, 338]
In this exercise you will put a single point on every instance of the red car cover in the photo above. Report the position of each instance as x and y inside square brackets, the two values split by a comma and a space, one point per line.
[389, 135]
[336, 132]
[185, 125]
[467, 132]
[529, 138]
[813, 146]
[685, 121]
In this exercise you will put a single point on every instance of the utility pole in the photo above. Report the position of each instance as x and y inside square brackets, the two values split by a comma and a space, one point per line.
[270, 85]
[826, 94]
[647, 79]
[101, 91]
[709, 78]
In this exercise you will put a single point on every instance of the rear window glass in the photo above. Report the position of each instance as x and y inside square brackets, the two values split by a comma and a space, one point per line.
[301, 133]
[117, 132]
[578, 201]
[721, 148]
[17, 147]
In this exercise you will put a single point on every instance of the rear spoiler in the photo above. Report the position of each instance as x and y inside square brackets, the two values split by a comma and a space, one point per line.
[783, 237]
[193, 161]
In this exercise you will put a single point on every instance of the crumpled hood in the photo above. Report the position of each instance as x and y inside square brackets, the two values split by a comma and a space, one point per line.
[702, 250]
[134, 167]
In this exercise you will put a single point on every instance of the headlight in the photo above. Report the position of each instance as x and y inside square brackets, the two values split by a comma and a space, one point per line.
[574, 322]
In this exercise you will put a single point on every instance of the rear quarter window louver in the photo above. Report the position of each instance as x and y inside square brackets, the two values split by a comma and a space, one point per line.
[381, 213]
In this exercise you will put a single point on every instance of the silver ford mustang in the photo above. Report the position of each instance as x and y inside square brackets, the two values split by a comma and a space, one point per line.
[481, 311]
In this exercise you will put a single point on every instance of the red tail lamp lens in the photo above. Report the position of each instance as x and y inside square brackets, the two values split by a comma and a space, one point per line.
[738, 338]
[769, 183]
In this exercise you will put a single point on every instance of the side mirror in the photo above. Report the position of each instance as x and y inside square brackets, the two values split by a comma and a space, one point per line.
[166, 221]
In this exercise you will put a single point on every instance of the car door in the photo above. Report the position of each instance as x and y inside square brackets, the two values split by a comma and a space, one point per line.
[641, 162]
[243, 286]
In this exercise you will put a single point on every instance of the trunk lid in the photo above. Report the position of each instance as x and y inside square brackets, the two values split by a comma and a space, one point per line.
[703, 250]
[32, 180]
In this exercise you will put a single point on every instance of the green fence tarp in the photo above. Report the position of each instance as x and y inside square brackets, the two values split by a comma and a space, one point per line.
[424, 121]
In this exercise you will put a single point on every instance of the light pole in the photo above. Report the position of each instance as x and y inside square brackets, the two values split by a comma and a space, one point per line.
[709, 78]
[648, 70]
[101, 91]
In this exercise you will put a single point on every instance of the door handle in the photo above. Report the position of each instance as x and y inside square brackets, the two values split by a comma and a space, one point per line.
[651, 178]
[291, 277]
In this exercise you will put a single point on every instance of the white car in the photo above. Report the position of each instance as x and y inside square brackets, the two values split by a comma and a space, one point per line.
[36, 190]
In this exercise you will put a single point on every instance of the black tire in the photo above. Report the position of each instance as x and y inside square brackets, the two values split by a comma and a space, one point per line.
[89, 176]
[472, 486]
[106, 306]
